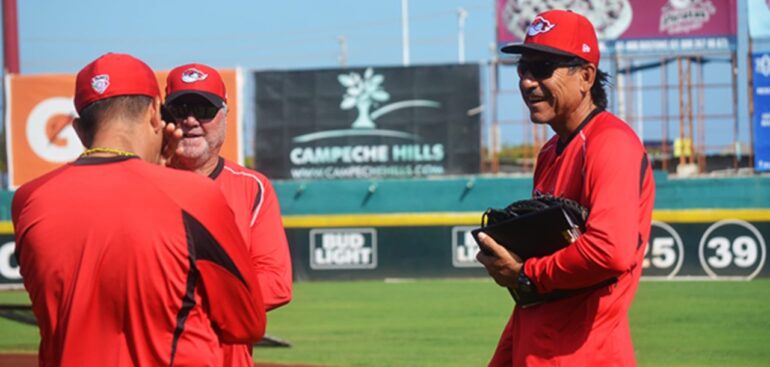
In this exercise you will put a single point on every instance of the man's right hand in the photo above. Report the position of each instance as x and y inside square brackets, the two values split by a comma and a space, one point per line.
[503, 266]
[172, 135]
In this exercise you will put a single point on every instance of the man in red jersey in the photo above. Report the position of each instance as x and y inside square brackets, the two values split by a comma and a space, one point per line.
[597, 160]
[128, 263]
[196, 99]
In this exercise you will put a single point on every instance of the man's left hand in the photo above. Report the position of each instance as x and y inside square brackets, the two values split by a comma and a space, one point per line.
[503, 266]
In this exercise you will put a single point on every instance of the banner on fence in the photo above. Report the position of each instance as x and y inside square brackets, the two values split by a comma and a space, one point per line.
[369, 122]
[761, 93]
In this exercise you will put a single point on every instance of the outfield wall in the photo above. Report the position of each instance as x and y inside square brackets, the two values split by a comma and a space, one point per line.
[711, 228]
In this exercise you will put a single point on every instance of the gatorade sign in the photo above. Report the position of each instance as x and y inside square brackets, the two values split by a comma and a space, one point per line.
[39, 132]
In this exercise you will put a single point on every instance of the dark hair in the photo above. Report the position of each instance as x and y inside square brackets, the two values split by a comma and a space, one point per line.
[127, 107]
[598, 93]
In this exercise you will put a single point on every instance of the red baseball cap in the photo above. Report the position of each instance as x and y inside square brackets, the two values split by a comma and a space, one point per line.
[113, 75]
[197, 79]
[560, 32]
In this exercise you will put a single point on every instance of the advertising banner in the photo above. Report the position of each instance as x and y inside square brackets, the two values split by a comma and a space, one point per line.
[761, 92]
[39, 133]
[367, 123]
[729, 248]
[635, 25]
[724, 249]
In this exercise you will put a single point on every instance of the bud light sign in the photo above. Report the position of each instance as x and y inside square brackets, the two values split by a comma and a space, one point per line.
[343, 248]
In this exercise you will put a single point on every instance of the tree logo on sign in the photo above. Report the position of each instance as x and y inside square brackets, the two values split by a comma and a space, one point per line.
[364, 92]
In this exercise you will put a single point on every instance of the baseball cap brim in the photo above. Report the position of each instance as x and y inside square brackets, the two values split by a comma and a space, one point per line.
[520, 48]
[211, 97]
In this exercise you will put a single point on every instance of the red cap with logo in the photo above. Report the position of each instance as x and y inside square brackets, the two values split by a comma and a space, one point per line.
[560, 32]
[196, 79]
[113, 75]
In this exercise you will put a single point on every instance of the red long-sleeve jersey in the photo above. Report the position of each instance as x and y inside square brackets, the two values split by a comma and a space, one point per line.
[604, 167]
[258, 214]
[131, 264]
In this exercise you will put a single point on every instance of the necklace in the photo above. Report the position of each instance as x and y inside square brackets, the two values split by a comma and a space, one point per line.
[118, 152]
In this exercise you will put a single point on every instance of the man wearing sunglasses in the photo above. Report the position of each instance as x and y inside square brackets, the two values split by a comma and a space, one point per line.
[196, 100]
[595, 159]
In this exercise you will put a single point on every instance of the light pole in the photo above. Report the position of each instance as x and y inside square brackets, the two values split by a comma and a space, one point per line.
[405, 30]
[343, 58]
[461, 15]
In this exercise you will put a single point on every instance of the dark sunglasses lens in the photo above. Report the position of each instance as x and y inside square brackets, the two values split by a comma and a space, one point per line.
[176, 111]
[539, 70]
[203, 112]
[199, 111]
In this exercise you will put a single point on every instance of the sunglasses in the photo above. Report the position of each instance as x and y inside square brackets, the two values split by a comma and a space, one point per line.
[543, 69]
[181, 111]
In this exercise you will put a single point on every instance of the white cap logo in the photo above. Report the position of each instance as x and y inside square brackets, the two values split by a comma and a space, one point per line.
[100, 83]
[586, 48]
[539, 25]
[193, 75]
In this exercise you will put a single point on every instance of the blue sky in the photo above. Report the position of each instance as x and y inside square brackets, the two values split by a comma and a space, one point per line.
[63, 36]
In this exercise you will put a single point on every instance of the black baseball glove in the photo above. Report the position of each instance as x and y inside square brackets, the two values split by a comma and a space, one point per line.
[577, 212]
[577, 216]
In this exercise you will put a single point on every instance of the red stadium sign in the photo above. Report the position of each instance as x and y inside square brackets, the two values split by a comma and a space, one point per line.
[628, 19]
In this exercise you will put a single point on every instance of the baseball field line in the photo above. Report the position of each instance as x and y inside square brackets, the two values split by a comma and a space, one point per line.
[473, 218]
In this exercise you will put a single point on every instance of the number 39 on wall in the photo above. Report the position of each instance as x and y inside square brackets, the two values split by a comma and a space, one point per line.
[732, 248]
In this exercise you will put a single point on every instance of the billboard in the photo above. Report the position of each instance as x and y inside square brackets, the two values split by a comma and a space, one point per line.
[635, 25]
[368, 122]
[761, 92]
[38, 123]
[367, 247]
[722, 249]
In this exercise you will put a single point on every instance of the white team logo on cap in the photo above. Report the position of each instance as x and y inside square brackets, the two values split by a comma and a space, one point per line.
[586, 48]
[539, 25]
[100, 83]
[193, 75]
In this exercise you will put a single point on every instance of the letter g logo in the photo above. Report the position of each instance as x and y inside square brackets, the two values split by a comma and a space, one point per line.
[50, 133]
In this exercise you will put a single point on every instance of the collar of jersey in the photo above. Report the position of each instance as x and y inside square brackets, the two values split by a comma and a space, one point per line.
[561, 146]
[91, 160]
[218, 169]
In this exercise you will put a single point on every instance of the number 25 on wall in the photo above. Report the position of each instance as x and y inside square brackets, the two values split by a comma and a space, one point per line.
[664, 254]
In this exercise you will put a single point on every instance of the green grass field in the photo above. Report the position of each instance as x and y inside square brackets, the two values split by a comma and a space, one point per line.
[457, 322]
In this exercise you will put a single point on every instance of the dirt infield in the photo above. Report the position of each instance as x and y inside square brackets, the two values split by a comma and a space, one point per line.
[30, 360]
